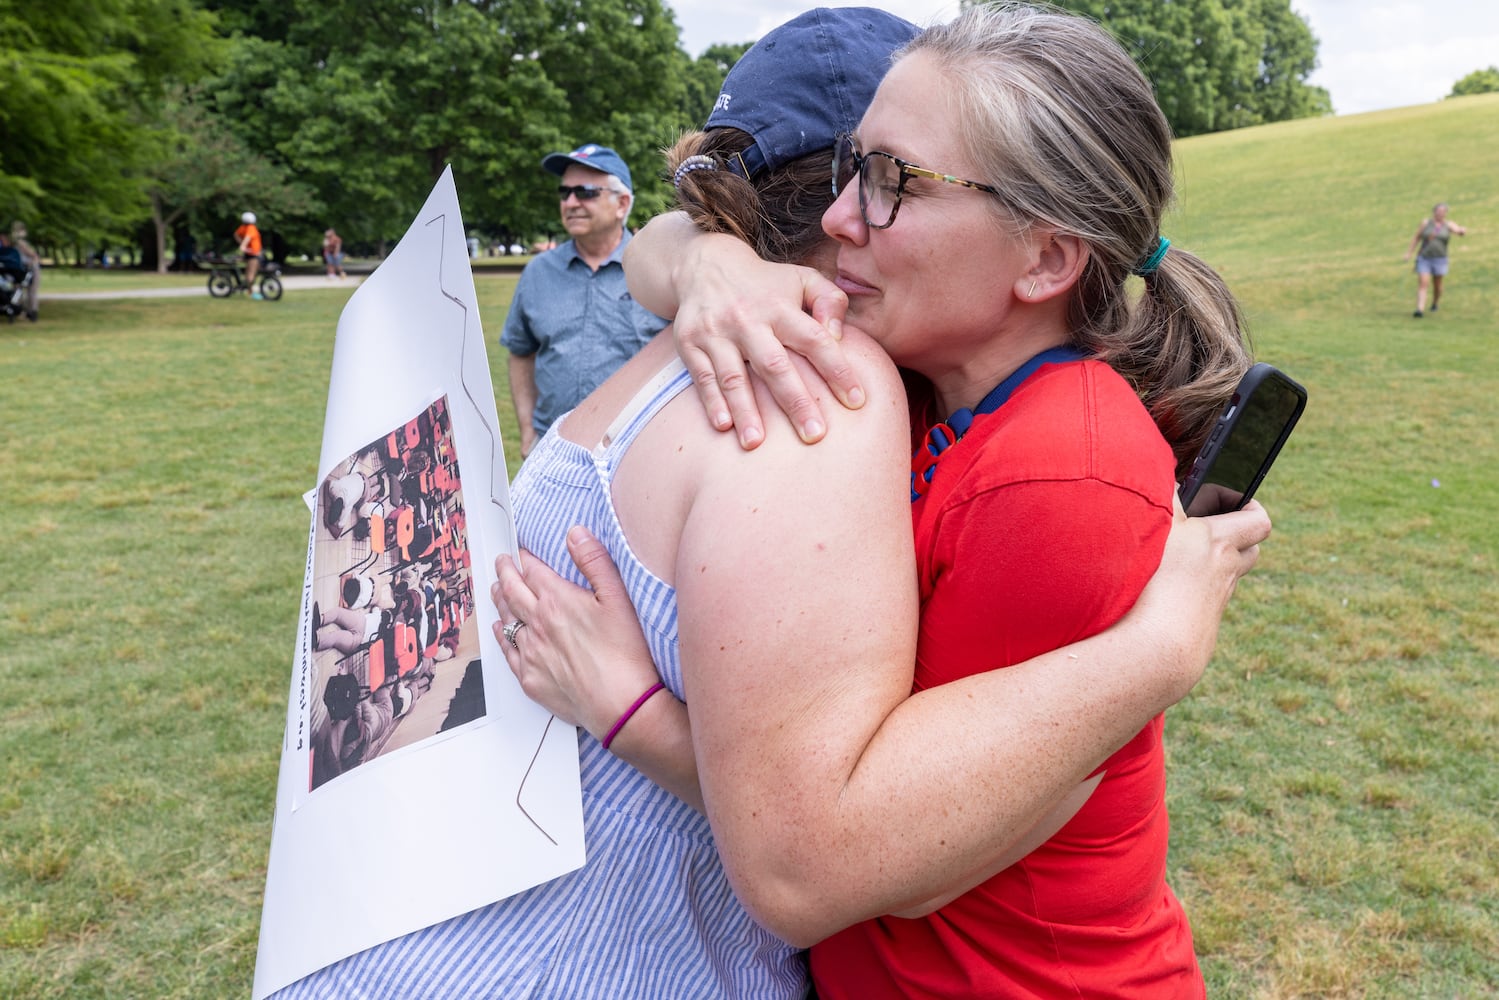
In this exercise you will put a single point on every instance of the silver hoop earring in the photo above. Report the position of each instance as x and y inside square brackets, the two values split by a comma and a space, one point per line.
[1032, 292]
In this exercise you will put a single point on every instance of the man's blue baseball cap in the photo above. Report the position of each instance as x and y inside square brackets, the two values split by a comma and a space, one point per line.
[805, 83]
[593, 156]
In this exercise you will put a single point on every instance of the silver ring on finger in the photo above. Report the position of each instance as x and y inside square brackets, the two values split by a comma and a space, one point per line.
[512, 629]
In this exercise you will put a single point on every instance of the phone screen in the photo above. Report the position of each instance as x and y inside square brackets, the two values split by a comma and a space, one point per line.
[1248, 436]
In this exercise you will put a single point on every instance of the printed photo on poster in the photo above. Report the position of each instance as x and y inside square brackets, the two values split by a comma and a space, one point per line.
[394, 642]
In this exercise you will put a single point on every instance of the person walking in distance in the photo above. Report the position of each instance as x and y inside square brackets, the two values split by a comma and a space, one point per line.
[1430, 247]
[333, 254]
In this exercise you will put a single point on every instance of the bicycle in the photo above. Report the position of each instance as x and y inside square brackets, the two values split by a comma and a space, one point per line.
[228, 279]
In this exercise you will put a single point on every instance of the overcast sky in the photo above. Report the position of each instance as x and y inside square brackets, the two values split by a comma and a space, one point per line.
[1373, 54]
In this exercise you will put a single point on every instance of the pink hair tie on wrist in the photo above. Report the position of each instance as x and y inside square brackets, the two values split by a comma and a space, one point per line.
[620, 722]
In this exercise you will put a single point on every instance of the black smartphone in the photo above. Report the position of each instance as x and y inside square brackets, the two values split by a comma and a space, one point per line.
[1248, 435]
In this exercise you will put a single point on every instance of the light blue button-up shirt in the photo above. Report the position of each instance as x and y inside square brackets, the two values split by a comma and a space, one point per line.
[581, 325]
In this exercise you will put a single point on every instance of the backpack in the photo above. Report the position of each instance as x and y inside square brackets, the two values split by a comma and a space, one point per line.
[340, 695]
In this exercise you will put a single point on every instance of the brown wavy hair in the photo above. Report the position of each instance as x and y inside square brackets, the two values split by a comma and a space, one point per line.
[779, 213]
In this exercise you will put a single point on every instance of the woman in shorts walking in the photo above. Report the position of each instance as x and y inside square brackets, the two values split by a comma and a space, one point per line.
[1430, 247]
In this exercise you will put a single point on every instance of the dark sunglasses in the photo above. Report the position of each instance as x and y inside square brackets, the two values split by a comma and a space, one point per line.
[583, 192]
[882, 180]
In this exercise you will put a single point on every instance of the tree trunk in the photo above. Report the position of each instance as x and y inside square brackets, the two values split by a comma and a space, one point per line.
[160, 225]
[163, 223]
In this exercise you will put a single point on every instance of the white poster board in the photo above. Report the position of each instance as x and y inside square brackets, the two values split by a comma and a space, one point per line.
[417, 781]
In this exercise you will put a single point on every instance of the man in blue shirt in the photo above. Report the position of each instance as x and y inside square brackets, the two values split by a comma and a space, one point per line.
[572, 322]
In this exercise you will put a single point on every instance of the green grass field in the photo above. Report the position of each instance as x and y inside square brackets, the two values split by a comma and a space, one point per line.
[1334, 789]
[1333, 781]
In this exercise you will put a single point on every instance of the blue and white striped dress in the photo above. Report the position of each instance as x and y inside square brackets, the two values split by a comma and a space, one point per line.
[651, 914]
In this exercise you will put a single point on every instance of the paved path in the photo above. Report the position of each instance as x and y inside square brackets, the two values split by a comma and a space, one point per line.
[291, 282]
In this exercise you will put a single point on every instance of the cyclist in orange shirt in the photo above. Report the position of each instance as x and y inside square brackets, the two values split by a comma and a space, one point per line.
[249, 245]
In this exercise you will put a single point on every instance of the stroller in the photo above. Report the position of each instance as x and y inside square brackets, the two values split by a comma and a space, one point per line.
[14, 284]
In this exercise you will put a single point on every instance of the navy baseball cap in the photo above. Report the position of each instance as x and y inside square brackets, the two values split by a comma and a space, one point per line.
[594, 157]
[808, 81]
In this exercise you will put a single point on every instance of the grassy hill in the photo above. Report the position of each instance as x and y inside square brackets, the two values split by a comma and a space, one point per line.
[1333, 783]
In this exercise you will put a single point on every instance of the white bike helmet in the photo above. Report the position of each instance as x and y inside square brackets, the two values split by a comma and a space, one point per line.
[248, 217]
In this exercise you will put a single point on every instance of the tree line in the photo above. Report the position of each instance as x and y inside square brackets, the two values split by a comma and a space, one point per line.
[155, 123]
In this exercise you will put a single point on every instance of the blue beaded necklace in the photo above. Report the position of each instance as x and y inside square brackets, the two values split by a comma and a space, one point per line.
[951, 431]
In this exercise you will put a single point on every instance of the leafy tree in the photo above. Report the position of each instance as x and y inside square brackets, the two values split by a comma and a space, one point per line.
[705, 79]
[124, 111]
[1176, 45]
[368, 100]
[1480, 81]
[625, 79]
[79, 78]
[1218, 64]
[1286, 54]
[200, 165]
